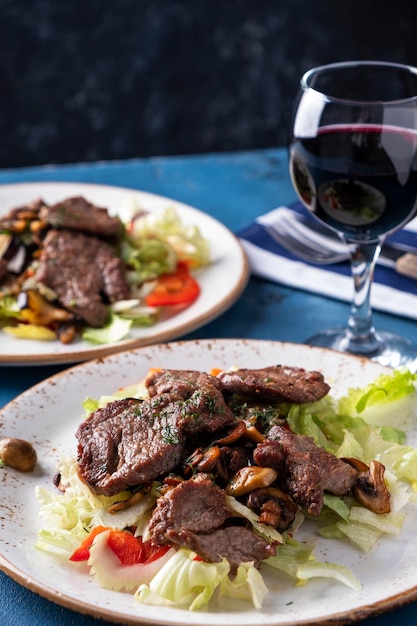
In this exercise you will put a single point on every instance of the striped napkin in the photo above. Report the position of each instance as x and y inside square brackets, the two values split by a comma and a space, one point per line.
[391, 292]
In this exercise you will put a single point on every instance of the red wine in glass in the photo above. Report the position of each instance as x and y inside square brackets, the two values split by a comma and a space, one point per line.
[360, 180]
[353, 163]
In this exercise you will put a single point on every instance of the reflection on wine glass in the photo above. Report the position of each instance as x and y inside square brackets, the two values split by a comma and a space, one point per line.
[353, 163]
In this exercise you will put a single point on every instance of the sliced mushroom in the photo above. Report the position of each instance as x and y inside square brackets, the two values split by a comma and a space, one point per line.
[250, 478]
[126, 504]
[67, 332]
[274, 507]
[371, 490]
[253, 435]
[356, 463]
[234, 435]
[242, 430]
[204, 460]
[35, 309]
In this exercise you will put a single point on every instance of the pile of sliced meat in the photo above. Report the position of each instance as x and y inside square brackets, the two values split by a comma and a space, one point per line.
[74, 245]
[206, 437]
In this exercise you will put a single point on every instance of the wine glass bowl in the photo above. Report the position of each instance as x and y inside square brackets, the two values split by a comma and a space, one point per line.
[353, 163]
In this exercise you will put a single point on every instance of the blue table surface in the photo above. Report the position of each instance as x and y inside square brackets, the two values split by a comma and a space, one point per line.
[234, 188]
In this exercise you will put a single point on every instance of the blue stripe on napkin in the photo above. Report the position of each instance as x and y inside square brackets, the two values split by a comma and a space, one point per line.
[257, 235]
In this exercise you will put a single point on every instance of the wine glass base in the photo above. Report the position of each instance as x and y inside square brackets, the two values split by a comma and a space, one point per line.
[383, 347]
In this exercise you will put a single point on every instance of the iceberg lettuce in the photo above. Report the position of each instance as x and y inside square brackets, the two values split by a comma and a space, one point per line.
[186, 241]
[68, 517]
[384, 402]
[297, 560]
[184, 582]
[115, 329]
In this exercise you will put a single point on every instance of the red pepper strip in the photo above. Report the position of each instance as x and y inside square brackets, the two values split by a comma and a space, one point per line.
[130, 550]
[82, 553]
[176, 288]
[153, 552]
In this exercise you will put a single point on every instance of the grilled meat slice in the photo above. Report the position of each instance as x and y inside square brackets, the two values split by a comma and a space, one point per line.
[205, 411]
[196, 505]
[232, 459]
[181, 383]
[192, 515]
[309, 469]
[82, 270]
[276, 384]
[77, 213]
[203, 405]
[129, 442]
[235, 543]
[270, 454]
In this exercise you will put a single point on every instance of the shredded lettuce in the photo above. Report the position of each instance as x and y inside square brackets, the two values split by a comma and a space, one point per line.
[247, 585]
[9, 307]
[347, 436]
[290, 555]
[363, 528]
[318, 569]
[68, 517]
[147, 258]
[116, 329]
[137, 390]
[186, 241]
[135, 310]
[187, 582]
[184, 582]
[384, 402]
[296, 559]
[338, 505]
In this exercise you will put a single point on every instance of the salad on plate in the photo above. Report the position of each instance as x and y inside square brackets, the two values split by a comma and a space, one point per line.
[187, 488]
[71, 269]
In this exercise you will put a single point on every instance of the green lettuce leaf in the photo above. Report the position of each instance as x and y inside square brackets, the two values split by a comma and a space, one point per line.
[297, 560]
[116, 329]
[186, 241]
[67, 517]
[9, 308]
[385, 401]
[147, 258]
[184, 582]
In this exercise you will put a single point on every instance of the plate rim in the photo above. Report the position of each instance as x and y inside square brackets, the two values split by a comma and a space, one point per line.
[391, 602]
[102, 350]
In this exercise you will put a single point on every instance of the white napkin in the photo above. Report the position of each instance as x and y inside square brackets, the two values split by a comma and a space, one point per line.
[391, 292]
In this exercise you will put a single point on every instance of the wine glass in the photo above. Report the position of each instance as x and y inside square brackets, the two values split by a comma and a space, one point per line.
[353, 163]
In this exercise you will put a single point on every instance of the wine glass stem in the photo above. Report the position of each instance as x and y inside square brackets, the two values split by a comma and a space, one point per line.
[362, 334]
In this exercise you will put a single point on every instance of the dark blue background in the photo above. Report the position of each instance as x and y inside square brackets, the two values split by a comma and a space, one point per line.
[83, 80]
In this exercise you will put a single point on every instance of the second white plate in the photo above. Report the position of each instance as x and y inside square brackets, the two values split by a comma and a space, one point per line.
[222, 282]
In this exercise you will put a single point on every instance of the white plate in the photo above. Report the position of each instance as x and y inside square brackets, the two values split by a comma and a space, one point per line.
[221, 283]
[49, 414]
